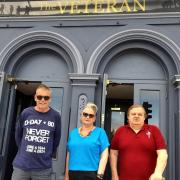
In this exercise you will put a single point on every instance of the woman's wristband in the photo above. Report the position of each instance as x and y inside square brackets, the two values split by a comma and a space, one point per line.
[100, 176]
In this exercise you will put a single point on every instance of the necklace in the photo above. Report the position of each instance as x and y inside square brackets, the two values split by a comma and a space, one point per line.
[86, 133]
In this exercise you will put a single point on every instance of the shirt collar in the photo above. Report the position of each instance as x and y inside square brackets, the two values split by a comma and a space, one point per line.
[144, 127]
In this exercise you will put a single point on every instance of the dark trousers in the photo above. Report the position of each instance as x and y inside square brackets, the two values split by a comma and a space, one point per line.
[82, 175]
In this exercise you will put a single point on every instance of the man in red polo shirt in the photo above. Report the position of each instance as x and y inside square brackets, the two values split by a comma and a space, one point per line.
[138, 150]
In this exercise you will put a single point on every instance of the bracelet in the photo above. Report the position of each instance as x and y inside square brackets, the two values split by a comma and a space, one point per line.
[100, 176]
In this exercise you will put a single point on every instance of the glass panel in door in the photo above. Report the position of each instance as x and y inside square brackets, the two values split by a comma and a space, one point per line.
[154, 94]
[58, 102]
[152, 97]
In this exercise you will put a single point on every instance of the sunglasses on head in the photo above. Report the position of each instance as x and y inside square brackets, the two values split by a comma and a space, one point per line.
[88, 115]
[46, 98]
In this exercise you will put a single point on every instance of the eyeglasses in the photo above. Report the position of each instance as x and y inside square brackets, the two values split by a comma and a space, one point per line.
[88, 115]
[46, 98]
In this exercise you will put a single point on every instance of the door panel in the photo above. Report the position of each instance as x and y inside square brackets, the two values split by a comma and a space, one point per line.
[60, 103]
[152, 92]
[156, 95]
[120, 94]
[9, 133]
[7, 98]
[3, 84]
[103, 99]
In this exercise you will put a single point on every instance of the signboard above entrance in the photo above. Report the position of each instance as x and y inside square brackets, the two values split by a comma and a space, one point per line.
[85, 7]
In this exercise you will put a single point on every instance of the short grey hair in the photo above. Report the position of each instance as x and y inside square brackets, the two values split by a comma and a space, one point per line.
[136, 106]
[43, 86]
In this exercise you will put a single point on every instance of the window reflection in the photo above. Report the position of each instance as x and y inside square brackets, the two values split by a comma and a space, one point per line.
[57, 98]
[153, 98]
[117, 120]
[84, 7]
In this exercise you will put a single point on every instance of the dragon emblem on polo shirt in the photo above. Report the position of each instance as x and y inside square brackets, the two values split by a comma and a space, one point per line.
[148, 133]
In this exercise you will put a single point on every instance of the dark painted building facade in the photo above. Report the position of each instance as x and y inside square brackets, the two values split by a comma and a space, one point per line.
[131, 55]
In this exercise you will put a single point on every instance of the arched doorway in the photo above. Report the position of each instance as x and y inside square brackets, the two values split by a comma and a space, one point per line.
[135, 76]
[36, 61]
[138, 67]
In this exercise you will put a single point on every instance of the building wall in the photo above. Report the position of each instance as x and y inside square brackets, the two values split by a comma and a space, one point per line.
[78, 50]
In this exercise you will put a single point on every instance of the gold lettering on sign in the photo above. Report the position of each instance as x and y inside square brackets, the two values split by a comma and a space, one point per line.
[98, 8]
[125, 7]
[142, 7]
[111, 6]
[93, 6]
[62, 9]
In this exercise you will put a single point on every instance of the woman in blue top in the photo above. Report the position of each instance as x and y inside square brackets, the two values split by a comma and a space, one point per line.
[87, 148]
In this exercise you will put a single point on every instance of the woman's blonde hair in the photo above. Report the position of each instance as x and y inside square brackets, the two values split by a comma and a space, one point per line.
[92, 106]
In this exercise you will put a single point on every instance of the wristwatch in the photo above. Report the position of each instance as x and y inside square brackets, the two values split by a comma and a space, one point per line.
[100, 176]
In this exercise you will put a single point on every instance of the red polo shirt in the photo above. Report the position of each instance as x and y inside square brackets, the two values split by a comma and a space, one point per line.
[137, 152]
